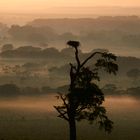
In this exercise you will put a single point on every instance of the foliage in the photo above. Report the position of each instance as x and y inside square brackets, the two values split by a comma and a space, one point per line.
[84, 98]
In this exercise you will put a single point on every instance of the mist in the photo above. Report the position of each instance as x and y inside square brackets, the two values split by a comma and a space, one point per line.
[37, 63]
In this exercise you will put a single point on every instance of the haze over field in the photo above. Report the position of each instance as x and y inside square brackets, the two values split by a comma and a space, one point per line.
[42, 6]
[21, 16]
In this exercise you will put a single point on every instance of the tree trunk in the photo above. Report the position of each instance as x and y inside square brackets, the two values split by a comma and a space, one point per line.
[72, 127]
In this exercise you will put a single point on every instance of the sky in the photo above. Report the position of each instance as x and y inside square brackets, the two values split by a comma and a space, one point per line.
[32, 6]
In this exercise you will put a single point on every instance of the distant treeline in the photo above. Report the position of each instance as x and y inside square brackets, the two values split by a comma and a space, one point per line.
[101, 31]
[112, 90]
[53, 55]
[37, 66]
[12, 90]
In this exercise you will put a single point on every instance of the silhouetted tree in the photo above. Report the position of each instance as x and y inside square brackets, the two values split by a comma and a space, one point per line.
[84, 98]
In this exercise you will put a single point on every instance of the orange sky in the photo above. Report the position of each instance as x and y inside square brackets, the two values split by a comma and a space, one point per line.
[44, 5]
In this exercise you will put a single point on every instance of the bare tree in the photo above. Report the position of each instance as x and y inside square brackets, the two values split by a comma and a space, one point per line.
[84, 98]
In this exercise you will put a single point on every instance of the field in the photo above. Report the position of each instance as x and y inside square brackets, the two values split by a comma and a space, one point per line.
[34, 118]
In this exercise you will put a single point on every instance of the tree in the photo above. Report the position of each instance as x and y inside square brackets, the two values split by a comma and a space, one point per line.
[7, 47]
[84, 98]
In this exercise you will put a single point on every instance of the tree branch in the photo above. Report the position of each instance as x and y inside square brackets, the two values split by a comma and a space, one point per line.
[64, 100]
[92, 55]
[62, 115]
[77, 58]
